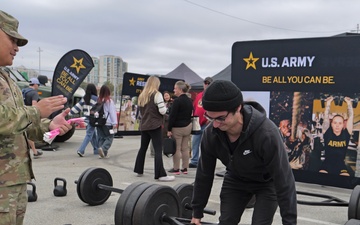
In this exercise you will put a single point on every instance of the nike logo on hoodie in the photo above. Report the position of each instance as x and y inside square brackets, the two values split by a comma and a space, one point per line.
[246, 152]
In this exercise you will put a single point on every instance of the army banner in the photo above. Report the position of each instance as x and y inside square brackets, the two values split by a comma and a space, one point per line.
[312, 87]
[70, 72]
[133, 84]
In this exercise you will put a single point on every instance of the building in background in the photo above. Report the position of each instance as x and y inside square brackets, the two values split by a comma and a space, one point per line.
[107, 68]
[93, 76]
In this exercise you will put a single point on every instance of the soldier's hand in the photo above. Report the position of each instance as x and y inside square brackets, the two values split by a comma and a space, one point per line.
[51, 104]
[60, 122]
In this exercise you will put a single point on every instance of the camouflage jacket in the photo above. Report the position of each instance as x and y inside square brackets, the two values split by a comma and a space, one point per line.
[16, 121]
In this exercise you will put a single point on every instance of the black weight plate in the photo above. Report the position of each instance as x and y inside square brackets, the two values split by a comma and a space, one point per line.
[127, 209]
[354, 207]
[90, 192]
[154, 203]
[78, 185]
[122, 201]
[185, 192]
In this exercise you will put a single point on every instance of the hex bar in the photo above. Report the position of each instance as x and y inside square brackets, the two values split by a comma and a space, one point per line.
[331, 200]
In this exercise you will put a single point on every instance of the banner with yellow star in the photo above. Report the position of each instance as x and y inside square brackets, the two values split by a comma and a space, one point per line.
[307, 64]
[70, 72]
[133, 84]
[312, 87]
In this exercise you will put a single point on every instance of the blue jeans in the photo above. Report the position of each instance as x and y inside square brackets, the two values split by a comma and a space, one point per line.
[91, 137]
[195, 146]
[105, 139]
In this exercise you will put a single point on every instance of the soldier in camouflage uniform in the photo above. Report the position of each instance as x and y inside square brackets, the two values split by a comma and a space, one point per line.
[16, 123]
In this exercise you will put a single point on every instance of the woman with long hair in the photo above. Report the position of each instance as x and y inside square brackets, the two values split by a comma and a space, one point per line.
[152, 111]
[106, 132]
[84, 105]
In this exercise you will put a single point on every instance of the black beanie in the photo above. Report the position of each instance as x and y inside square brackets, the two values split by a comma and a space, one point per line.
[221, 95]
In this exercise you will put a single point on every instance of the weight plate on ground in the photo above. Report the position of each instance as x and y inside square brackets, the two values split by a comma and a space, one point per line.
[185, 192]
[354, 205]
[126, 204]
[122, 201]
[90, 192]
[78, 186]
[154, 203]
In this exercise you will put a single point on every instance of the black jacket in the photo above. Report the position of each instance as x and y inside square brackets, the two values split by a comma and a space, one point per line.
[259, 158]
[180, 113]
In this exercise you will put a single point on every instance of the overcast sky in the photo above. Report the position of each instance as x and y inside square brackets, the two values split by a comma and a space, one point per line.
[156, 36]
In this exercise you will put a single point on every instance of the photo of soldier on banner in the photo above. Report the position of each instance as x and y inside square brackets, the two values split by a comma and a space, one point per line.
[133, 84]
[336, 120]
[291, 112]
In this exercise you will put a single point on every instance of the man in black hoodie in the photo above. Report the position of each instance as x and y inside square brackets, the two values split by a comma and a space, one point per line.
[250, 146]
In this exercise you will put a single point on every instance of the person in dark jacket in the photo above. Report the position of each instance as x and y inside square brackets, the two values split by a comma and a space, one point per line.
[250, 146]
[180, 126]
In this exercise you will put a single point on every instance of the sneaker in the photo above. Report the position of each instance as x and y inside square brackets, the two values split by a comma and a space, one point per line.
[173, 171]
[166, 178]
[39, 153]
[184, 171]
[80, 154]
[192, 165]
[139, 174]
[101, 153]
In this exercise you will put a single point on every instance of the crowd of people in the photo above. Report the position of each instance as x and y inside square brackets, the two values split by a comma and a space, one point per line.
[254, 151]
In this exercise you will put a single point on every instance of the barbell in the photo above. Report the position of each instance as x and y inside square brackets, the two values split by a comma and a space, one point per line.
[140, 203]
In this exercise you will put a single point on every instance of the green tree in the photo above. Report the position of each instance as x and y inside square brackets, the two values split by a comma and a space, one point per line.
[110, 85]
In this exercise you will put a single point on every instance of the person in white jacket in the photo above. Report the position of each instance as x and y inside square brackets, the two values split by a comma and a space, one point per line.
[106, 132]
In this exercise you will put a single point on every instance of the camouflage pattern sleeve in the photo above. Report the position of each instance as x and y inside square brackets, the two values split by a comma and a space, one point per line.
[36, 134]
[16, 118]
[15, 166]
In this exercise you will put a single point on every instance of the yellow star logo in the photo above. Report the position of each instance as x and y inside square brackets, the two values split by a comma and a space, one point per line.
[251, 61]
[132, 82]
[78, 64]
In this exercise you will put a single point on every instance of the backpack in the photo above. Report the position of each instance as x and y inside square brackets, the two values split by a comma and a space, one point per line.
[24, 92]
[97, 115]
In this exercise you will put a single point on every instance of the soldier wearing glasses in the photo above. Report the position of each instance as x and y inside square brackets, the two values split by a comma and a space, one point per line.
[250, 146]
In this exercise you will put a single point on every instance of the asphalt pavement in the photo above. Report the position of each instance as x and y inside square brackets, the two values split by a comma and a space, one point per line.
[65, 163]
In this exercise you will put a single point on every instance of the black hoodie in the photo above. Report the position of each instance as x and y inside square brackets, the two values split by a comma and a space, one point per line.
[259, 158]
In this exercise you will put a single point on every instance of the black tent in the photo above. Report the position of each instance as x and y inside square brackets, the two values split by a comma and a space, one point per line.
[224, 74]
[183, 72]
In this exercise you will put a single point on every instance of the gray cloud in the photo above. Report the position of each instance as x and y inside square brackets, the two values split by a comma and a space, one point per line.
[155, 36]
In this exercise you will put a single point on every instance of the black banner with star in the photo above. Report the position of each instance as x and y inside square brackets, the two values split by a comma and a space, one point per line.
[70, 72]
[322, 64]
[312, 87]
[133, 84]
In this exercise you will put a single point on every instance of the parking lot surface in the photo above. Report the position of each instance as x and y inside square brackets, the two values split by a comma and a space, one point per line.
[65, 163]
